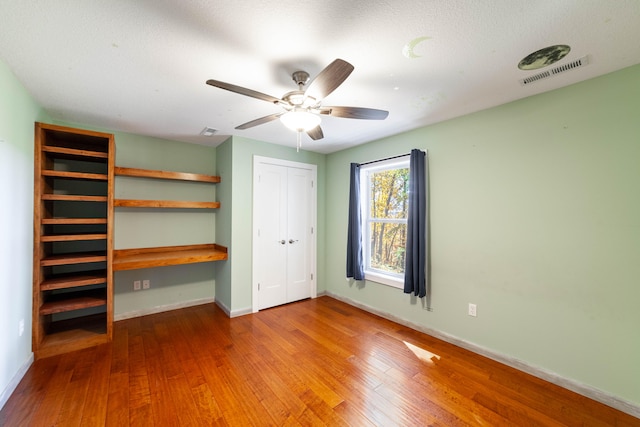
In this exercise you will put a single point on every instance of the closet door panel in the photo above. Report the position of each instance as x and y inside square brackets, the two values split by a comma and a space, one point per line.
[298, 234]
[272, 243]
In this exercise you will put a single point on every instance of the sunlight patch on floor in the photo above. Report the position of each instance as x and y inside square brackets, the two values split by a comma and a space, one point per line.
[421, 353]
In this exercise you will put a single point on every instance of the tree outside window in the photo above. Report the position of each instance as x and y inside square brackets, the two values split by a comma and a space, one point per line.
[385, 203]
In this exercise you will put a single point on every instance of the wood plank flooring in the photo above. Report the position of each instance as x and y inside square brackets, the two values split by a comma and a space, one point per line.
[316, 362]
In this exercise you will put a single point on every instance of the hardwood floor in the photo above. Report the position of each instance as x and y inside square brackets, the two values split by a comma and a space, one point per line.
[316, 362]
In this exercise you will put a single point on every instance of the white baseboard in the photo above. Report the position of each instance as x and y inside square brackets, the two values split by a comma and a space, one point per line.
[241, 312]
[10, 388]
[162, 308]
[234, 313]
[224, 308]
[578, 387]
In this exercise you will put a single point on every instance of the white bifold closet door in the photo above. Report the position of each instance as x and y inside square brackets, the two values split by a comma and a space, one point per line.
[284, 240]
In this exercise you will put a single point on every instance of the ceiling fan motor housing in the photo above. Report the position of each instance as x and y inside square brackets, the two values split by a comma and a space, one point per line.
[301, 78]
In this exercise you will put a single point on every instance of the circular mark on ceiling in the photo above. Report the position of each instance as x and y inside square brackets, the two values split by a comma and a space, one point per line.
[544, 57]
[409, 49]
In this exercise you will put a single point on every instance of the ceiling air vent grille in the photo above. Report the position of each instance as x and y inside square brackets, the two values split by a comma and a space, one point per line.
[581, 62]
[207, 131]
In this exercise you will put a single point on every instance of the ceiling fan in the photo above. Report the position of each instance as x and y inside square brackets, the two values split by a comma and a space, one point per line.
[303, 107]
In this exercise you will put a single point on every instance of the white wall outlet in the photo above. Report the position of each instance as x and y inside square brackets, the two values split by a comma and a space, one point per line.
[473, 310]
[137, 285]
[21, 327]
[146, 284]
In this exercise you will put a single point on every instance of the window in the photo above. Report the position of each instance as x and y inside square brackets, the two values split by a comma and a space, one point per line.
[384, 203]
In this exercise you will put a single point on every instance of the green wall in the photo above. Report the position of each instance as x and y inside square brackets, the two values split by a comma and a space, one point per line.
[18, 112]
[223, 223]
[535, 217]
[235, 163]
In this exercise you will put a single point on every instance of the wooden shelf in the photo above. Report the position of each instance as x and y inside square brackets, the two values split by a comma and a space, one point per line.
[73, 153]
[73, 258]
[131, 259]
[72, 237]
[180, 204]
[73, 221]
[69, 301]
[72, 280]
[73, 198]
[180, 176]
[74, 334]
[75, 175]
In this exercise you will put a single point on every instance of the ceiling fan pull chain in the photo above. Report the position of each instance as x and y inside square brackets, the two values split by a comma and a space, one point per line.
[299, 141]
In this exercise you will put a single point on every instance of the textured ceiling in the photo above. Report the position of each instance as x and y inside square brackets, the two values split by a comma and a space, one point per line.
[141, 66]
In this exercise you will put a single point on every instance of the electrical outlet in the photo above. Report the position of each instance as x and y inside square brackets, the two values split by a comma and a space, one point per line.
[21, 327]
[472, 310]
[137, 285]
[146, 284]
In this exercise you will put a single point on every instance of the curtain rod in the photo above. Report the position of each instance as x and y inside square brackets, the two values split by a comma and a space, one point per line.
[382, 160]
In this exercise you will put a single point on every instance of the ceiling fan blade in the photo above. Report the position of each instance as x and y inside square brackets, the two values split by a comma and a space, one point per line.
[316, 133]
[355, 113]
[329, 79]
[244, 91]
[260, 121]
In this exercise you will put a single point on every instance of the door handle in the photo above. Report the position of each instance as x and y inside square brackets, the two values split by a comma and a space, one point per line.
[282, 242]
[291, 241]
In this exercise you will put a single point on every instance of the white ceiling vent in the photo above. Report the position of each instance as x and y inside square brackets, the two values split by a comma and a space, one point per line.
[207, 131]
[581, 62]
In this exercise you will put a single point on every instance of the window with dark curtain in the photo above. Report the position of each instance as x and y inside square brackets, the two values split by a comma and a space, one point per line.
[417, 265]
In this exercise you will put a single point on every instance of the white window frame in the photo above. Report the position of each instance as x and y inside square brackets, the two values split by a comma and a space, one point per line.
[372, 274]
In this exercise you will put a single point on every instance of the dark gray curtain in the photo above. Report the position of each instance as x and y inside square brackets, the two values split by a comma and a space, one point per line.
[416, 256]
[355, 267]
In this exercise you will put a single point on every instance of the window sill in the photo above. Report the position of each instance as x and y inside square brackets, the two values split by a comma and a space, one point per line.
[384, 279]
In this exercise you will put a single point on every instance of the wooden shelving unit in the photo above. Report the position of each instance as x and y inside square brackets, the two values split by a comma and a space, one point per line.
[131, 259]
[73, 243]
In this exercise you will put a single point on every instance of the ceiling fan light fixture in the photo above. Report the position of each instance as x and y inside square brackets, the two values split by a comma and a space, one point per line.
[300, 121]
